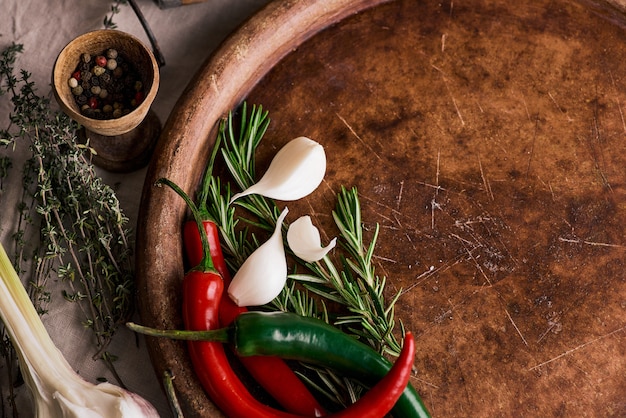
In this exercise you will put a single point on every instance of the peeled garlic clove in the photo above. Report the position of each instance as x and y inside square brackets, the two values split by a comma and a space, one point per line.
[264, 274]
[295, 172]
[304, 240]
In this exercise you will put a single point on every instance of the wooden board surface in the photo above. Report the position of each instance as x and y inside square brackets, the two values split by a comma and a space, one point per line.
[488, 140]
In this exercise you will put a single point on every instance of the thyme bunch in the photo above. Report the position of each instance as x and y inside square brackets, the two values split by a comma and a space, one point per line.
[83, 237]
[349, 279]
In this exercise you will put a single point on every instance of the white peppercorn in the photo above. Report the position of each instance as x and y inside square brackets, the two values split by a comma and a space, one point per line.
[111, 64]
[97, 70]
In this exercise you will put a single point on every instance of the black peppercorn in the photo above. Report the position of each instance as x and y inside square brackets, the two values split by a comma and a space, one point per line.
[105, 79]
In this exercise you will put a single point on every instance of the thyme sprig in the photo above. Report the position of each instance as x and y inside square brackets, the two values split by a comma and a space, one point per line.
[82, 234]
[108, 22]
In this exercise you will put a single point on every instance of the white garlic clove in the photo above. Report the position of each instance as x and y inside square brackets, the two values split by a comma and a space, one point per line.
[264, 274]
[304, 240]
[295, 172]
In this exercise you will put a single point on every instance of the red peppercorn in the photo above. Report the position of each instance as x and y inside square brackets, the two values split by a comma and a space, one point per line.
[76, 75]
[93, 103]
[138, 98]
[101, 61]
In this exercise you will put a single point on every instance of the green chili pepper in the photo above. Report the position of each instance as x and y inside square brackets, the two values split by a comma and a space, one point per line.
[291, 336]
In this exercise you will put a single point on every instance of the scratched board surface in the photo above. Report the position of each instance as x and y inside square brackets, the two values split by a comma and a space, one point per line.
[488, 140]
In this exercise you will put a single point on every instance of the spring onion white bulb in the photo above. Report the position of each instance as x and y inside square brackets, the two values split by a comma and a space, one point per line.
[295, 172]
[57, 390]
[304, 240]
[264, 274]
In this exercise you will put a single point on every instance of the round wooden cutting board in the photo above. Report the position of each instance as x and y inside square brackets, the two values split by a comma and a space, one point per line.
[488, 140]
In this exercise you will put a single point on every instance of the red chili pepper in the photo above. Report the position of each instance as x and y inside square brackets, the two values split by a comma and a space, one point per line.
[272, 373]
[202, 296]
[201, 291]
[380, 399]
[193, 251]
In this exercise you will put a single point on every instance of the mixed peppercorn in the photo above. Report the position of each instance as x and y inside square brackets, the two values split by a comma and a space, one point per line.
[106, 86]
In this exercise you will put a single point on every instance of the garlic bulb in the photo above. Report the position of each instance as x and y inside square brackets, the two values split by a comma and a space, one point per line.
[304, 240]
[295, 172]
[264, 274]
[57, 390]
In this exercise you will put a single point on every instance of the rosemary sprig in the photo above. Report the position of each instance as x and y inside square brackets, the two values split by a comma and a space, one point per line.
[356, 287]
[239, 155]
[214, 197]
[351, 282]
[83, 238]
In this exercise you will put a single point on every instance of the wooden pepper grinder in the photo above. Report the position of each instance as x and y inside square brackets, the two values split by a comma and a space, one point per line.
[122, 143]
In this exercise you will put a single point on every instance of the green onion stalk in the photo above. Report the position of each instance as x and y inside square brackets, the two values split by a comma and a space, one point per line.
[56, 389]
